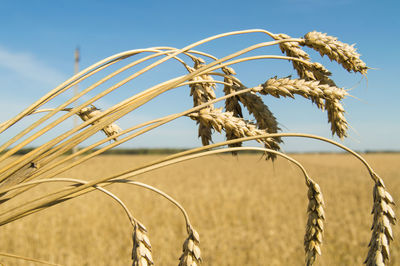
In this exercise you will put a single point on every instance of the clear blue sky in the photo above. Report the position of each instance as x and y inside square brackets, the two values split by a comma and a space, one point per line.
[38, 38]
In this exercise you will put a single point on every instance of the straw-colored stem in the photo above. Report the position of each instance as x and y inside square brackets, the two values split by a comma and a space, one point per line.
[161, 193]
[77, 182]
[19, 257]
[10, 215]
[48, 165]
[32, 184]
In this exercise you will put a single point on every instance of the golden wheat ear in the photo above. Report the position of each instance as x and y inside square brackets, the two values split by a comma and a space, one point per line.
[315, 223]
[344, 54]
[191, 251]
[141, 252]
[383, 218]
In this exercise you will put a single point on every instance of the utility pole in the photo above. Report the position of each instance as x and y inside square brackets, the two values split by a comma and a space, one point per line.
[76, 70]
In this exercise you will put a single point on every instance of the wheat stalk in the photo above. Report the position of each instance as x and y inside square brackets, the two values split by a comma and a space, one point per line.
[4, 254]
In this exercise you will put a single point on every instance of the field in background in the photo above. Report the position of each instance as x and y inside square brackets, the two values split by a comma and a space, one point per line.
[246, 210]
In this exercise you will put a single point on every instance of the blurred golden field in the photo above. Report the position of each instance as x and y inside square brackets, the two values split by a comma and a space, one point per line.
[247, 211]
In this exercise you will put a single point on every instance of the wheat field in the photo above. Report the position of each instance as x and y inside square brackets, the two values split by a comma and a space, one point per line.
[248, 211]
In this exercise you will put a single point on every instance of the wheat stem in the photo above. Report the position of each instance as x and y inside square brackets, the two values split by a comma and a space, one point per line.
[14, 256]
[8, 215]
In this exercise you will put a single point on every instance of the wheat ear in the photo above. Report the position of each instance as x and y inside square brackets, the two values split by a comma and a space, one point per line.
[336, 117]
[293, 49]
[323, 95]
[202, 91]
[141, 252]
[233, 125]
[315, 222]
[264, 117]
[253, 103]
[90, 112]
[231, 103]
[191, 255]
[344, 54]
[382, 233]
[309, 70]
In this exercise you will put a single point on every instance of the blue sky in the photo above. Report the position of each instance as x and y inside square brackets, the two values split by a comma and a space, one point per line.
[38, 38]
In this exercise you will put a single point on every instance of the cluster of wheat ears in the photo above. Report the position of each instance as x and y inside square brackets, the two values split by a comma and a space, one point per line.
[202, 73]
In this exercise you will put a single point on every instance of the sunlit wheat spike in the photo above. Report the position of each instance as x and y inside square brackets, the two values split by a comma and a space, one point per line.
[288, 87]
[141, 252]
[264, 117]
[265, 120]
[233, 125]
[309, 70]
[232, 103]
[90, 112]
[323, 95]
[382, 234]
[202, 92]
[315, 223]
[336, 117]
[344, 54]
[191, 255]
[292, 49]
